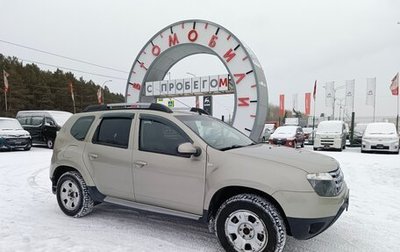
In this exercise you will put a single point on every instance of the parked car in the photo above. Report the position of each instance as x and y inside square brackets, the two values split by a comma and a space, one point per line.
[330, 135]
[13, 136]
[267, 133]
[291, 136]
[358, 133]
[380, 137]
[309, 135]
[43, 125]
[195, 166]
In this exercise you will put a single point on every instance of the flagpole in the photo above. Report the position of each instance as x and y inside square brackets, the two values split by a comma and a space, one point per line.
[397, 115]
[374, 106]
[5, 99]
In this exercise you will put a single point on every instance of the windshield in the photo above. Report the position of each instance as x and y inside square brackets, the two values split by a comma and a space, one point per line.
[380, 129]
[215, 133]
[330, 127]
[286, 130]
[61, 117]
[360, 128]
[9, 124]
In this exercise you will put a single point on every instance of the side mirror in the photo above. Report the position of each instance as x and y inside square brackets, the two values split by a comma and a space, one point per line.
[188, 148]
[49, 123]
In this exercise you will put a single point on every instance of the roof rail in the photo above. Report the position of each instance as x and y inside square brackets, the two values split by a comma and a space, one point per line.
[199, 110]
[116, 106]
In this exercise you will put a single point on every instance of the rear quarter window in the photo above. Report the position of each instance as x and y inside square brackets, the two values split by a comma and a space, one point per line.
[81, 127]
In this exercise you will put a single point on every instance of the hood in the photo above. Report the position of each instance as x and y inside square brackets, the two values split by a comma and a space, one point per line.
[14, 132]
[283, 135]
[305, 160]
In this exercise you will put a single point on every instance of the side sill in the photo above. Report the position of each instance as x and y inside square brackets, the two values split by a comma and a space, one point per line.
[150, 208]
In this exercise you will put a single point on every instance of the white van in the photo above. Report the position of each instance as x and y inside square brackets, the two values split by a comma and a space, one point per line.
[330, 135]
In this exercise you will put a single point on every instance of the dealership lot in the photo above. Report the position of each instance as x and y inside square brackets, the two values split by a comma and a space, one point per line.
[30, 219]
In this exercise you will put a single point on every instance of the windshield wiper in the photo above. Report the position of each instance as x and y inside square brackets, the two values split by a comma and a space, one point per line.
[235, 146]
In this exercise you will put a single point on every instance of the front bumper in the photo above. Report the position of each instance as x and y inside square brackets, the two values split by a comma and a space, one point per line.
[282, 141]
[383, 145]
[328, 143]
[306, 228]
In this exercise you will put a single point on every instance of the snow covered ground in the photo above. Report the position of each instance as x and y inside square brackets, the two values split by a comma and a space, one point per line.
[30, 219]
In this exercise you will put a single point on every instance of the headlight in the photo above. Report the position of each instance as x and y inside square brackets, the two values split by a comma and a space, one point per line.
[323, 184]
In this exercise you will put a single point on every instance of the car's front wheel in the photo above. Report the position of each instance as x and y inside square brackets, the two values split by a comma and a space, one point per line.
[29, 146]
[248, 222]
[73, 196]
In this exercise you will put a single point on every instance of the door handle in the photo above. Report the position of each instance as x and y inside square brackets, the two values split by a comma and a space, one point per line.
[140, 164]
[93, 156]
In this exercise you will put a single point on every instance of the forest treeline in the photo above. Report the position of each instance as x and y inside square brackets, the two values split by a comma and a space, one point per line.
[31, 88]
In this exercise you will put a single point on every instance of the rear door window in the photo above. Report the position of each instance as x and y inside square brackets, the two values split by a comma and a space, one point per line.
[114, 132]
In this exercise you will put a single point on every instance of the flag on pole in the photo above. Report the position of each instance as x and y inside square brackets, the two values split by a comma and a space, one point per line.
[315, 90]
[371, 89]
[5, 76]
[71, 90]
[281, 105]
[307, 104]
[99, 96]
[394, 87]
[349, 96]
[329, 93]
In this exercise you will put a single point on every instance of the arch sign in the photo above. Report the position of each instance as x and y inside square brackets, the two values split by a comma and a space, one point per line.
[190, 37]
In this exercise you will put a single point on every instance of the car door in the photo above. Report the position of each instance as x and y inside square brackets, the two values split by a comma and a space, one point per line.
[162, 176]
[49, 128]
[35, 126]
[109, 155]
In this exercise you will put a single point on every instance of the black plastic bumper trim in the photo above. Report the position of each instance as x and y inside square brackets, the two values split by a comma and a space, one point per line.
[304, 229]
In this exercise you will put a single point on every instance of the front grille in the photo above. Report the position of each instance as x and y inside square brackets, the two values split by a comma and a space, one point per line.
[17, 141]
[325, 141]
[338, 177]
[379, 147]
[279, 141]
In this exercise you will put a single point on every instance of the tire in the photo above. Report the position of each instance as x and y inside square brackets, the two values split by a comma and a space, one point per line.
[29, 146]
[72, 195]
[315, 148]
[248, 222]
[50, 143]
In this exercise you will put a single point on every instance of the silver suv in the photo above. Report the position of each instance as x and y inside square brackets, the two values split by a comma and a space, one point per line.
[191, 165]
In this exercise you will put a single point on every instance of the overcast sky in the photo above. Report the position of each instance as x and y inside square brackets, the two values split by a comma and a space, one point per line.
[295, 41]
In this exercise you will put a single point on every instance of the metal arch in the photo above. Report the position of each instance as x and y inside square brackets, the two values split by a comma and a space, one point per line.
[169, 57]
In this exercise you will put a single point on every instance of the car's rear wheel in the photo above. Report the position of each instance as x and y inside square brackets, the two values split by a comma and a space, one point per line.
[248, 222]
[50, 143]
[73, 196]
